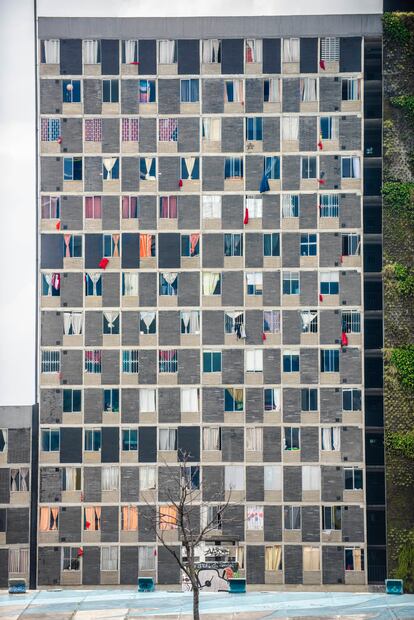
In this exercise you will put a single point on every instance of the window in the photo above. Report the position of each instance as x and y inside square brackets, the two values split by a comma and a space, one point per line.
[191, 477]
[190, 321]
[92, 518]
[233, 91]
[309, 89]
[308, 244]
[271, 244]
[351, 89]
[253, 49]
[291, 283]
[189, 91]
[351, 244]
[168, 207]
[130, 361]
[50, 207]
[92, 440]
[168, 361]
[309, 321]
[350, 168]
[167, 517]
[130, 129]
[146, 558]
[273, 558]
[351, 322]
[48, 519]
[93, 285]
[271, 321]
[93, 130]
[72, 479]
[110, 478]
[167, 52]
[354, 559]
[330, 360]
[254, 439]
[72, 168]
[233, 244]
[290, 205]
[308, 167]
[330, 49]
[271, 90]
[190, 168]
[71, 91]
[129, 439]
[291, 50]
[109, 558]
[147, 92]
[254, 360]
[50, 129]
[91, 52]
[254, 128]
[110, 168]
[292, 438]
[271, 167]
[167, 439]
[72, 246]
[147, 477]
[147, 323]
[311, 478]
[110, 322]
[309, 399]
[233, 399]
[351, 399]
[329, 283]
[72, 401]
[311, 559]
[129, 518]
[233, 167]
[292, 517]
[272, 399]
[211, 129]
[189, 400]
[51, 284]
[211, 283]
[290, 128]
[3, 440]
[255, 206]
[50, 52]
[110, 91]
[93, 207]
[18, 560]
[234, 323]
[329, 127]
[19, 479]
[130, 52]
[111, 400]
[130, 207]
[329, 205]
[254, 281]
[272, 477]
[211, 361]
[70, 558]
[130, 284]
[168, 283]
[331, 438]
[51, 361]
[168, 130]
[353, 479]
[50, 440]
[211, 438]
[211, 51]
[93, 361]
[234, 478]
[147, 400]
[211, 207]
[190, 245]
[331, 518]
[255, 518]
[213, 517]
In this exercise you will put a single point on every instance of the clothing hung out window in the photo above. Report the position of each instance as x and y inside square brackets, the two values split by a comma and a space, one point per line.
[309, 89]
[189, 400]
[329, 127]
[130, 284]
[168, 207]
[129, 439]
[190, 168]
[129, 518]
[254, 360]
[233, 244]
[211, 129]
[147, 478]
[354, 559]
[189, 90]
[168, 130]
[50, 129]
[147, 247]
[50, 440]
[291, 361]
[254, 128]
[72, 246]
[93, 130]
[168, 361]
[311, 478]
[48, 519]
[72, 479]
[330, 360]
[329, 205]
[93, 438]
[130, 129]
[50, 207]
[273, 558]
[111, 400]
[50, 52]
[254, 283]
[233, 92]
[233, 399]
[130, 52]
[271, 167]
[253, 50]
[272, 477]
[329, 283]
[190, 321]
[292, 438]
[148, 322]
[72, 401]
[291, 283]
[93, 284]
[91, 52]
[329, 51]
[147, 92]
[211, 438]
[110, 168]
[51, 284]
[353, 479]
[72, 168]
[130, 361]
[331, 518]
[271, 90]
[255, 518]
[211, 283]
[254, 439]
[110, 91]
[211, 361]
[290, 205]
[308, 166]
[110, 478]
[350, 168]
[50, 361]
[309, 399]
[19, 480]
[130, 209]
[93, 361]
[234, 479]
[351, 399]
[211, 206]
[292, 517]
[308, 244]
[167, 439]
[110, 322]
[351, 322]
[351, 244]
[92, 518]
[290, 128]
[255, 206]
[211, 51]
[110, 245]
[309, 321]
[72, 323]
[109, 558]
[167, 517]
[233, 167]
[190, 245]
[351, 89]
[291, 50]
[167, 52]
[147, 168]
[70, 559]
[147, 400]
[272, 399]
[169, 283]
[71, 91]
[311, 559]
[93, 207]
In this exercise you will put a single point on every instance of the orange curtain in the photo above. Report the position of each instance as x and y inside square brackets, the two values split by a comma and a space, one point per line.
[130, 518]
[90, 517]
[168, 517]
[44, 519]
[55, 513]
[115, 239]
[193, 242]
[145, 242]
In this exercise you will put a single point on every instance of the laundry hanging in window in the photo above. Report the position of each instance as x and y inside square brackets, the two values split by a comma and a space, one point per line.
[246, 216]
[57, 225]
[322, 179]
[320, 143]
[103, 263]
[322, 64]
[320, 297]
[344, 339]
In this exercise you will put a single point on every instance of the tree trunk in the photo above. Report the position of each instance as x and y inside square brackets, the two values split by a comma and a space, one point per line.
[196, 603]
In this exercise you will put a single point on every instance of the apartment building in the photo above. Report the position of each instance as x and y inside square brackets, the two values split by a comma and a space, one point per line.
[202, 191]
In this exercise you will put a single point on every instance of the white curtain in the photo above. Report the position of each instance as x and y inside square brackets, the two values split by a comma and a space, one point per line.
[254, 439]
[166, 52]
[274, 90]
[24, 478]
[48, 280]
[111, 317]
[336, 438]
[255, 206]
[110, 478]
[189, 400]
[254, 50]
[148, 318]
[234, 477]
[190, 163]
[131, 284]
[109, 558]
[255, 278]
[311, 559]
[167, 438]
[90, 52]
[130, 49]
[290, 128]
[146, 558]
[67, 322]
[51, 47]
[307, 316]
[170, 277]
[254, 517]
[70, 478]
[147, 478]
[356, 168]
[237, 91]
[273, 557]
[276, 398]
[212, 129]
[148, 164]
[210, 282]
[254, 360]
[77, 323]
[211, 207]
[14, 475]
[308, 88]
[311, 478]
[327, 439]
[211, 438]
[290, 50]
[109, 163]
[94, 279]
[210, 50]
[191, 321]
[19, 560]
[273, 477]
[287, 205]
[146, 400]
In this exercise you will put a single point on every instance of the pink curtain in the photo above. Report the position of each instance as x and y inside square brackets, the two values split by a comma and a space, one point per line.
[173, 207]
[67, 239]
[193, 242]
[115, 239]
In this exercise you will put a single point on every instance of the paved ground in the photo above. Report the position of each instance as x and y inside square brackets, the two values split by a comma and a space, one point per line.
[116, 604]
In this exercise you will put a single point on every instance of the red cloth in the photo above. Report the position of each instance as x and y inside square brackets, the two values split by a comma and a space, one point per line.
[320, 144]
[134, 63]
[322, 64]
[80, 552]
[321, 181]
[57, 225]
[246, 216]
[87, 524]
[263, 336]
[103, 263]
[344, 339]
[59, 140]
[320, 297]
[180, 183]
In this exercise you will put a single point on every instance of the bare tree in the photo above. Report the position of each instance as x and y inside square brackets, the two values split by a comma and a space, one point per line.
[186, 497]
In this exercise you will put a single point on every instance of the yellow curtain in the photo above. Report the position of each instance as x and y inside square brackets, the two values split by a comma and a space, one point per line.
[130, 518]
[273, 557]
[44, 519]
[311, 559]
[357, 559]
[168, 517]
[240, 556]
